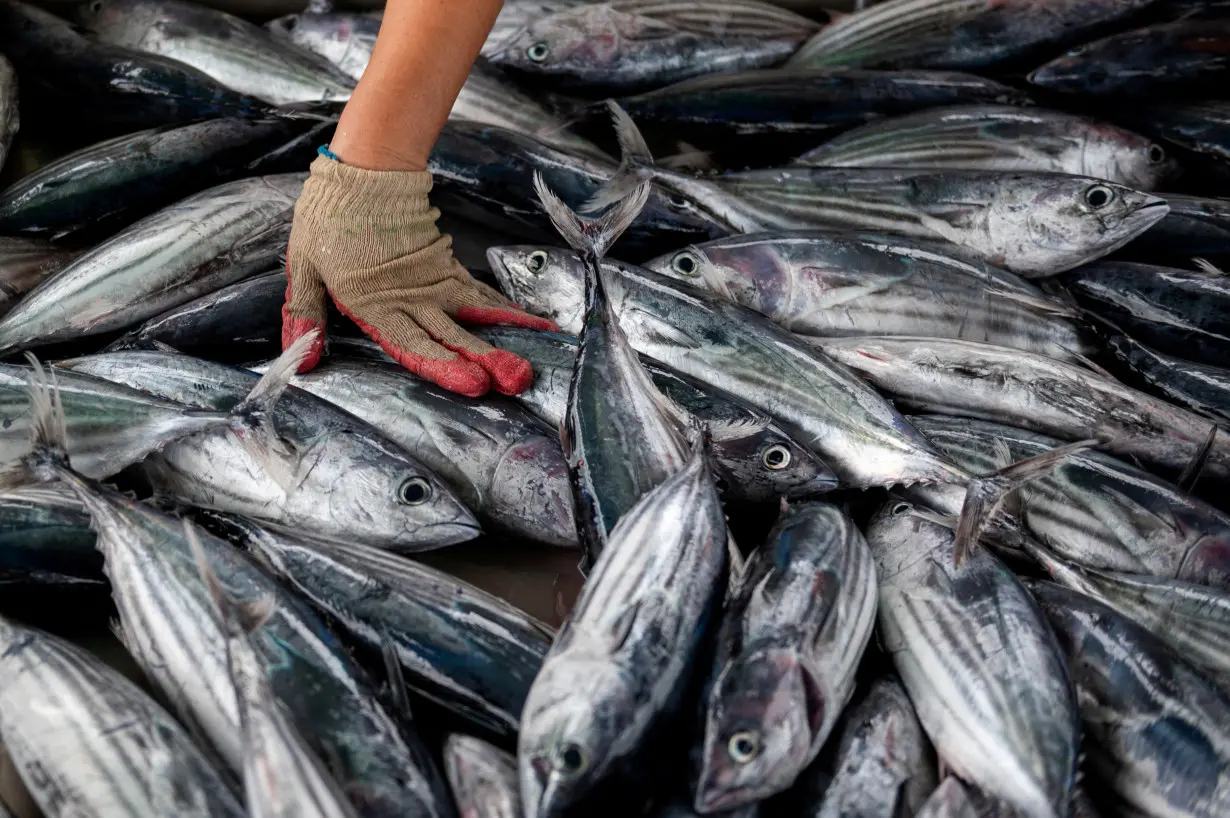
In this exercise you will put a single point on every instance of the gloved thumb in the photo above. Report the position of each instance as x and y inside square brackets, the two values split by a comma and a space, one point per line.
[304, 309]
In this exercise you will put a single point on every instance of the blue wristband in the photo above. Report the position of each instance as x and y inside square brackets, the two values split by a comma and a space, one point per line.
[323, 150]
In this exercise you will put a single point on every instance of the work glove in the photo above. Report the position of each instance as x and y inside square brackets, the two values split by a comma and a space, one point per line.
[369, 239]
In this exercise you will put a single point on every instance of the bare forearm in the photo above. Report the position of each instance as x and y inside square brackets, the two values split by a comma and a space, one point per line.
[421, 60]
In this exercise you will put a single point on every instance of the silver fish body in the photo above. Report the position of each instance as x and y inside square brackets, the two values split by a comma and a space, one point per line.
[1006, 385]
[883, 767]
[483, 778]
[821, 405]
[949, 800]
[627, 651]
[87, 742]
[1200, 387]
[344, 38]
[517, 14]
[756, 460]
[999, 138]
[1094, 509]
[832, 284]
[1160, 741]
[183, 251]
[340, 477]
[1034, 224]
[236, 53]
[458, 646]
[980, 663]
[26, 263]
[10, 116]
[792, 635]
[632, 44]
[503, 462]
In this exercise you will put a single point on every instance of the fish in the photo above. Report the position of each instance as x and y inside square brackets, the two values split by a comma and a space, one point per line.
[236, 53]
[190, 248]
[625, 655]
[483, 778]
[504, 463]
[1185, 313]
[1034, 224]
[988, 679]
[949, 800]
[1000, 138]
[882, 767]
[1182, 57]
[836, 284]
[1094, 509]
[955, 34]
[10, 114]
[281, 775]
[117, 181]
[1200, 127]
[46, 539]
[1199, 387]
[621, 436]
[1191, 618]
[516, 14]
[1194, 226]
[337, 477]
[79, 83]
[25, 263]
[486, 174]
[166, 623]
[752, 456]
[1069, 402]
[1159, 743]
[87, 741]
[457, 645]
[626, 45]
[344, 38]
[791, 639]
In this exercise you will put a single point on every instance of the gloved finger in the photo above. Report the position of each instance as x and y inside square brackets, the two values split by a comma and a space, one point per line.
[411, 346]
[479, 304]
[510, 375]
[304, 310]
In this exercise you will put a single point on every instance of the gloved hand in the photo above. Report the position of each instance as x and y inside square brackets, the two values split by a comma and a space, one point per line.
[369, 239]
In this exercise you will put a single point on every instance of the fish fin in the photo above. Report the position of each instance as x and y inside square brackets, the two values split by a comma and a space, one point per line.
[1089, 364]
[636, 166]
[985, 495]
[622, 626]
[1187, 480]
[591, 238]
[1206, 266]
[47, 460]
[396, 679]
[688, 158]
[815, 698]
[738, 565]
[238, 618]
[252, 418]
[737, 429]
[1047, 305]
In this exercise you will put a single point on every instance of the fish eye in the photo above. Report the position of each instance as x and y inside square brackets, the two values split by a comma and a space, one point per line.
[570, 761]
[537, 260]
[685, 263]
[743, 747]
[677, 201]
[1157, 154]
[776, 457]
[1099, 196]
[538, 52]
[900, 508]
[414, 491]
[96, 6]
[1097, 75]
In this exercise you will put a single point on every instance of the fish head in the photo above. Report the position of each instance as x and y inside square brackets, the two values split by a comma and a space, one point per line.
[763, 712]
[572, 46]
[766, 463]
[678, 216]
[567, 742]
[547, 281]
[122, 21]
[1129, 158]
[1065, 221]
[733, 270]
[284, 27]
[1102, 67]
[531, 485]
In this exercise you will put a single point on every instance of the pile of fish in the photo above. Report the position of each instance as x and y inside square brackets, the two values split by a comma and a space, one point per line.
[915, 330]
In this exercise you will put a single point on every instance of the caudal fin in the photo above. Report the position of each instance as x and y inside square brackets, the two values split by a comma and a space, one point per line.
[636, 166]
[252, 418]
[591, 238]
[47, 461]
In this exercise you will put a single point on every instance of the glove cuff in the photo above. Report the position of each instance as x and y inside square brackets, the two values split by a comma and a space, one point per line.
[366, 200]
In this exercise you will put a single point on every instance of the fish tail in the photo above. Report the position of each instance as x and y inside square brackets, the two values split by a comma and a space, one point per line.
[47, 461]
[252, 418]
[592, 237]
[985, 495]
[636, 165]
[238, 618]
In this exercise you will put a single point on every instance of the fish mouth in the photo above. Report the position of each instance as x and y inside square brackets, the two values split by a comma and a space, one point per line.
[820, 484]
[438, 535]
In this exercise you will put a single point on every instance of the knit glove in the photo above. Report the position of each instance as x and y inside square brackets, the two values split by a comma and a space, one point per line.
[369, 240]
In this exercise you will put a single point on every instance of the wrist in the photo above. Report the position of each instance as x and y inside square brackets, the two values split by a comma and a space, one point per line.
[352, 150]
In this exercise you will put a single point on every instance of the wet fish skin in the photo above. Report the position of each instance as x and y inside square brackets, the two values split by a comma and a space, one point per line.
[1006, 385]
[1158, 727]
[980, 663]
[829, 284]
[77, 81]
[625, 45]
[1185, 313]
[483, 778]
[883, 766]
[344, 38]
[1094, 509]
[1000, 138]
[122, 179]
[45, 538]
[756, 460]
[237, 53]
[458, 645]
[190, 248]
[1200, 127]
[342, 478]
[1199, 387]
[791, 639]
[626, 653]
[819, 404]
[24, 264]
[516, 14]
[86, 741]
[10, 115]
[960, 34]
[1194, 227]
[1181, 57]
[949, 800]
